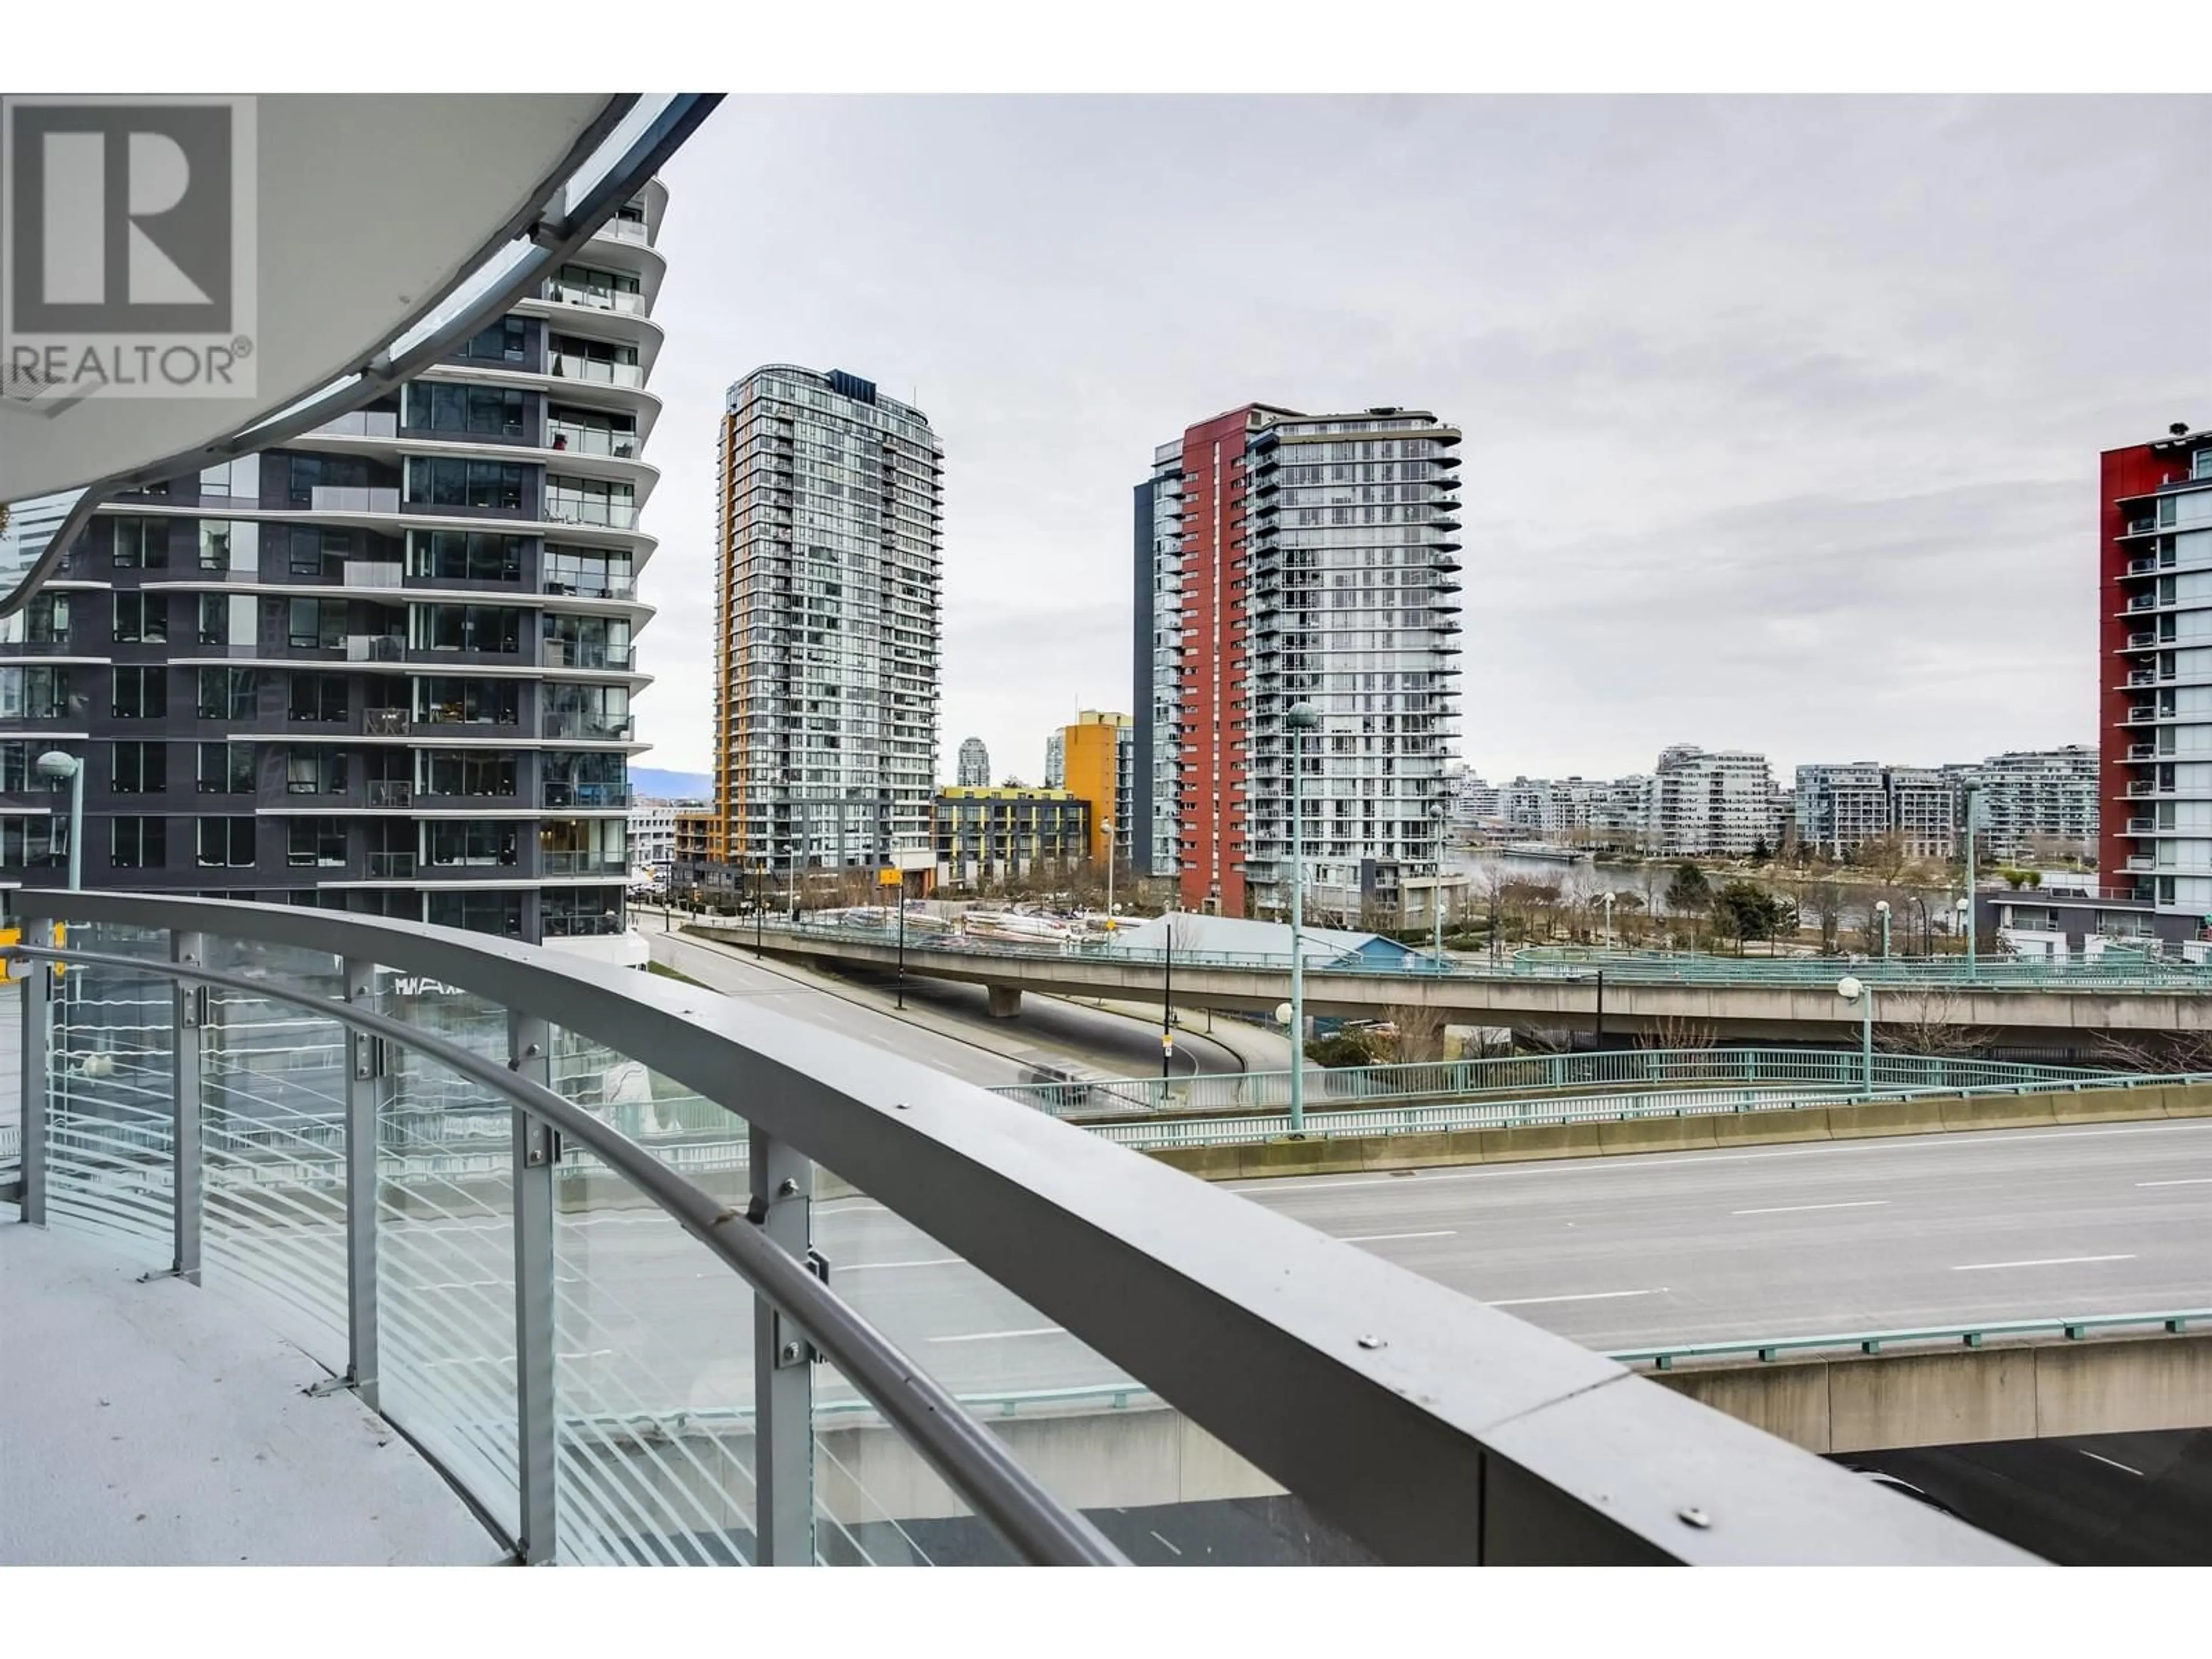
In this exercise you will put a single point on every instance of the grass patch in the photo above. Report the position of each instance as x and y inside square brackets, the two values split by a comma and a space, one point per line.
[667, 972]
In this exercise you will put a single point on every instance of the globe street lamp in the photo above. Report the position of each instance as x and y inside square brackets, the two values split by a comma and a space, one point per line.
[1927, 933]
[1881, 910]
[1963, 911]
[55, 765]
[1608, 898]
[1851, 990]
[1302, 718]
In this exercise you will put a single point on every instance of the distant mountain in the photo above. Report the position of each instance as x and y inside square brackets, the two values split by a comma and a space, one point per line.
[649, 781]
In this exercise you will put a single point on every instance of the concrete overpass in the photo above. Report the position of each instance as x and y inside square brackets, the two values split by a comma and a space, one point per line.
[2032, 1015]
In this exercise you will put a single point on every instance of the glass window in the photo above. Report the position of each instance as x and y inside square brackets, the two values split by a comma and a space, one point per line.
[318, 841]
[319, 697]
[485, 486]
[140, 694]
[139, 768]
[506, 341]
[142, 618]
[141, 543]
[471, 628]
[437, 406]
[464, 772]
[464, 556]
[227, 694]
[462, 842]
[44, 621]
[316, 624]
[225, 843]
[451, 699]
[226, 768]
[479, 913]
[316, 771]
[137, 843]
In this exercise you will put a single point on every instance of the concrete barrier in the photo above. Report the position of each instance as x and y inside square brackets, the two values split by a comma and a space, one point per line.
[2048, 1389]
[1778, 1125]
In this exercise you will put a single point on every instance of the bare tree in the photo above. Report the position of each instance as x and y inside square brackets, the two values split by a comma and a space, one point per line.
[1927, 1023]
[2158, 1051]
[1419, 1033]
[1679, 1031]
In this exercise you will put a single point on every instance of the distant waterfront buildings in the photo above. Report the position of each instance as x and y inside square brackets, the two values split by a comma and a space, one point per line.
[1055, 760]
[984, 836]
[1283, 558]
[2036, 806]
[1720, 801]
[1839, 809]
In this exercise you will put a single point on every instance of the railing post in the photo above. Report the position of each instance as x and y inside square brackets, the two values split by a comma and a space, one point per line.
[37, 1029]
[528, 1038]
[783, 1379]
[186, 1188]
[365, 1087]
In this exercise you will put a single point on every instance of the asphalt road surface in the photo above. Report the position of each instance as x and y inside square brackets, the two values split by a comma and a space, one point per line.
[861, 1011]
[1613, 1253]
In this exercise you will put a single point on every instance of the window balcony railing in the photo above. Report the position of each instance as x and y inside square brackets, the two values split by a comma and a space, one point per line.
[362, 423]
[591, 510]
[591, 440]
[407, 1215]
[558, 793]
[391, 866]
[384, 722]
[595, 297]
[574, 863]
[590, 727]
[624, 230]
[594, 371]
[590, 587]
[585, 654]
[388, 792]
[353, 498]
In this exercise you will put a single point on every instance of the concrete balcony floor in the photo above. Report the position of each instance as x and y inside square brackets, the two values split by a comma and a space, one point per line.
[158, 1424]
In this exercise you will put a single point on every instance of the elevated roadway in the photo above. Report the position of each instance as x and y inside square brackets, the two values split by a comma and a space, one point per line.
[2053, 1014]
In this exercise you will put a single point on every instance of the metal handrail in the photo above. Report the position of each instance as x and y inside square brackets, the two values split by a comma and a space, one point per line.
[971, 1461]
[1458, 1432]
[1784, 973]
[1766, 1347]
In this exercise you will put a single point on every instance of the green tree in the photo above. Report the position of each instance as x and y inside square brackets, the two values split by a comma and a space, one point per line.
[1689, 891]
[1749, 911]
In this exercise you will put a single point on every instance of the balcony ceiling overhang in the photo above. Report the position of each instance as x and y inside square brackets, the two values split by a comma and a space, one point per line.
[385, 228]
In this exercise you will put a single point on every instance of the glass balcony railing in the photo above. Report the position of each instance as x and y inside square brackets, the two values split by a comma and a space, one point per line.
[595, 297]
[589, 727]
[585, 653]
[391, 866]
[362, 423]
[571, 863]
[562, 508]
[735, 1382]
[559, 793]
[590, 587]
[567, 366]
[352, 498]
[591, 440]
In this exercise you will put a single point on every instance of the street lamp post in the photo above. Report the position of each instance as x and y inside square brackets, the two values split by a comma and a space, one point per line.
[1881, 910]
[902, 936]
[57, 764]
[1962, 911]
[1852, 990]
[1927, 933]
[1107, 824]
[1973, 800]
[1302, 718]
[1607, 897]
[1167, 997]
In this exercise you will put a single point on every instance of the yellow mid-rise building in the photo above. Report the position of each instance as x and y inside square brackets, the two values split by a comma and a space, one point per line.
[1096, 751]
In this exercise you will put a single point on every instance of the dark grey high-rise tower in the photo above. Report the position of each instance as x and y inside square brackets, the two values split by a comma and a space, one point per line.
[385, 668]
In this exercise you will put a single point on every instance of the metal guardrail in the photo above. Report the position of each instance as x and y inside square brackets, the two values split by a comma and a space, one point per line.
[2075, 1329]
[1947, 973]
[1627, 1068]
[1458, 1433]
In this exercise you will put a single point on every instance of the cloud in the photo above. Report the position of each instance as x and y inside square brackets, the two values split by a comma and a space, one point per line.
[1782, 414]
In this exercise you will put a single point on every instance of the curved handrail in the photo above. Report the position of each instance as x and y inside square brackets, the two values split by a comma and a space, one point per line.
[972, 1461]
[1457, 1433]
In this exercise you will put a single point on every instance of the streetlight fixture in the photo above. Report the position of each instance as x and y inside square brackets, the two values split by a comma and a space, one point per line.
[1852, 990]
[1927, 930]
[1608, 898]
[1973, 802]
[1302, 718]
[1962, 913]
[55, 765]
[1881, 910]
[1107, 824]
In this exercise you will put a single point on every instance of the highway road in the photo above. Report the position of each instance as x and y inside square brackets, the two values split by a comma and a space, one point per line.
[861, 1010]
[1614, 1253]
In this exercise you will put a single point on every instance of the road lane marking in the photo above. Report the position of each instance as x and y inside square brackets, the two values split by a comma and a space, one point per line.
[2099, 1456]
[1586, 1296]
[1171, 1548]
[873, 1267]
[994, 1336]
[2042, 1261]
[2191, 1181]
[1379, 1238]
[1792, 1209]
[1671, 1160]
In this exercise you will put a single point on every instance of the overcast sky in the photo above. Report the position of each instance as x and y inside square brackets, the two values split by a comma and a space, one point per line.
[1782, 414]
